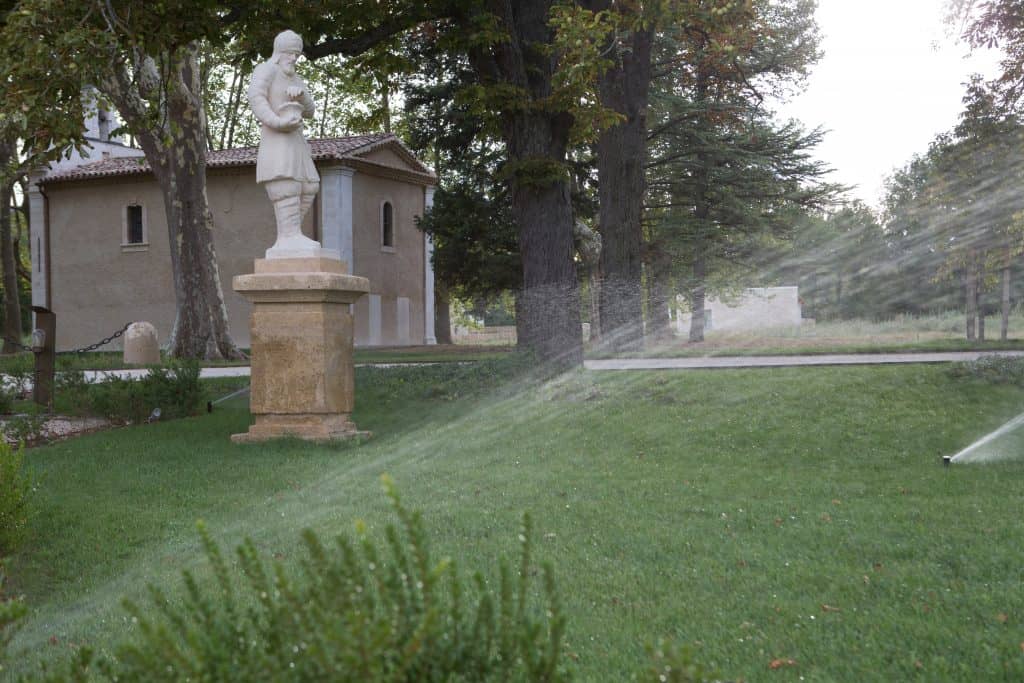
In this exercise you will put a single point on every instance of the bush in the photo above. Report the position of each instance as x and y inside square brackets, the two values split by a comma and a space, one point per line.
[352, 613]
[175, 389]
[11, 611]
[996, 369]
[15, 489]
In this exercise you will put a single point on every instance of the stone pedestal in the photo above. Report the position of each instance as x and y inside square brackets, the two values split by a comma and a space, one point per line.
[303, 382]
[141, 346]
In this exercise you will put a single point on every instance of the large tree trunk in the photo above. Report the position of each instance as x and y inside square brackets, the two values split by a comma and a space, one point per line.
[621, 153]
[549, 324]
[176, 151]
[537, 136]
[659, 330]
[697, 298]
[971, 295]
[9, 258]
[442, 314]
[1004, 327]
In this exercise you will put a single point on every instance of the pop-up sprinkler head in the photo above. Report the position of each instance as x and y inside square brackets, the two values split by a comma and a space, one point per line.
[946, 459]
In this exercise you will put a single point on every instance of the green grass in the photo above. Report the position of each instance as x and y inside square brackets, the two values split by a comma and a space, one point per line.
[795, 513]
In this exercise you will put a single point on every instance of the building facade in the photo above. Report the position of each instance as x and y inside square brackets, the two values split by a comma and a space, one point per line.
[101, 257]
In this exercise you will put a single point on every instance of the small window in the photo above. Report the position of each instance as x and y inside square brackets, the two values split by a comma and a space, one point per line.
[135, 232]
[133, 238]
[387, 226]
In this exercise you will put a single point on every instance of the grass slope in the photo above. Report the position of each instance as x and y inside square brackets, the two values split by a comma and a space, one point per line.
[775, 514]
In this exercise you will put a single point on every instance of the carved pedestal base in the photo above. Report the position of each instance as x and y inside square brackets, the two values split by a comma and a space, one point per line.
[303, 382]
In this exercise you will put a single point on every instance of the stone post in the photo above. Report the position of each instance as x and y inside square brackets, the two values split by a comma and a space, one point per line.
[303, 376]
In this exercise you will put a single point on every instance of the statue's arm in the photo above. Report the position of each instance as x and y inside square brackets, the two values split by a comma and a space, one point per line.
[262, 76]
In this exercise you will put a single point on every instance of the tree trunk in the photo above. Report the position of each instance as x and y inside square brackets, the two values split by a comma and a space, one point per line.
[549, 323]
[594, 280]
[1004, 327]
[8, 259]
[697, 299]
[177, 154]
[979, 304]
[971, 295]
[442, 314]
[536, 134]
[621, 153]
[659, 326]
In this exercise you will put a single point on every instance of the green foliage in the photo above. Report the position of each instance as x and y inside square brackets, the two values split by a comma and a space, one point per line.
[11, 611]
[174, 388]
[996, 369]
[353, 612]
[15, 491]
[25, 429]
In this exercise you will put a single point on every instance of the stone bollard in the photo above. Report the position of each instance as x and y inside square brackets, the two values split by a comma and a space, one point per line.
[141, 346]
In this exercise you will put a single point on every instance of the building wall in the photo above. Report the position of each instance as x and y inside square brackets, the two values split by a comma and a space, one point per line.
[395, 273]
[755, 308]
[98, 285]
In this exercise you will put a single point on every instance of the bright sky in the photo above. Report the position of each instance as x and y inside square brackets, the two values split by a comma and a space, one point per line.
[889, 81]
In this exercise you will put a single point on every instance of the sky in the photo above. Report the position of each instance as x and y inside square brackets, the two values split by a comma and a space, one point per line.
[890, 80]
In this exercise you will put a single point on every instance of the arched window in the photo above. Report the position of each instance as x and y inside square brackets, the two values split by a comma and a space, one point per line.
[387, 226]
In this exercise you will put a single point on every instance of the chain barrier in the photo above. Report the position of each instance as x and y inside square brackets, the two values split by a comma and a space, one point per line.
[17, 344]
[84, 349]
[102, 342]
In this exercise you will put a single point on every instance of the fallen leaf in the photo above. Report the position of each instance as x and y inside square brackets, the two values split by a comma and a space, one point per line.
[778, 521]
[903, 491]
[1002, 618]
[1022, 646]
[836, 501]
[825, 517]
[779, 663]
[54, 641]
[830, 608]
[878, 566]
[918, 664]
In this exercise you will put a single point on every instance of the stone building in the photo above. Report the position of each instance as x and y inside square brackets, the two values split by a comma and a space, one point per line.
[100, 254]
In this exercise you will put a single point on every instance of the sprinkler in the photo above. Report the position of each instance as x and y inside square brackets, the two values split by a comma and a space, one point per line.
[946, 459]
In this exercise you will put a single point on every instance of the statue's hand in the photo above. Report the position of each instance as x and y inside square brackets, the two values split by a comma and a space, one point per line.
[294, 92]
[290, 121]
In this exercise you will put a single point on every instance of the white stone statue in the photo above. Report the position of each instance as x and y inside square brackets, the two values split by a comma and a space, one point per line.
[284, 165]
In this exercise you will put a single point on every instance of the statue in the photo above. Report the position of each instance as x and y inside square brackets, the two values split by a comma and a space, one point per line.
[284, 166]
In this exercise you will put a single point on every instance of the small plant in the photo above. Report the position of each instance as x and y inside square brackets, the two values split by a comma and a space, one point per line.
[15, 489]
[352, 612]
[25, 429]
[11, 612]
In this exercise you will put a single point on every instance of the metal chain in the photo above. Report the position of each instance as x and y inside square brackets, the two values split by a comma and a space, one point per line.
[102, 342]
[17, 344]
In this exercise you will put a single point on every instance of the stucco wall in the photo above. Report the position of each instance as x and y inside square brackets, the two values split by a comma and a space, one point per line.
[393, 273]
[755, 308]
[98, 285]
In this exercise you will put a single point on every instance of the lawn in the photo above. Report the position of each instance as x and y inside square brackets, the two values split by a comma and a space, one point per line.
[759, 515]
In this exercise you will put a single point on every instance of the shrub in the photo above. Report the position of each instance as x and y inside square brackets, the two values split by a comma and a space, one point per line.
[351, 613]
[24, 429]
[670, 663]
[11, 611]
[996, 369]
[175, 389]
[15, 489]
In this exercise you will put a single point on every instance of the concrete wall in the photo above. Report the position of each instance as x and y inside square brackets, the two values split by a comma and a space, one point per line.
[755, 308]
[98, 284]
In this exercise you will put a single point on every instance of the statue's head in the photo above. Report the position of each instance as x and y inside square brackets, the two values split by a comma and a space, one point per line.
[287, 43]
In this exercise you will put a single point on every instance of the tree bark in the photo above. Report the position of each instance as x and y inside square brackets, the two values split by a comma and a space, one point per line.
[621, 153]
[442, 314]
[9, 259]
[971, 295]
[979, 300]
[697, 298]
[537, 137]
[549, 324]
[1004, 327]
[659, 328]
[176, 151]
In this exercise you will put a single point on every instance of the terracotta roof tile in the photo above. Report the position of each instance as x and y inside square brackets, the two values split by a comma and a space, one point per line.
[327, 149]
